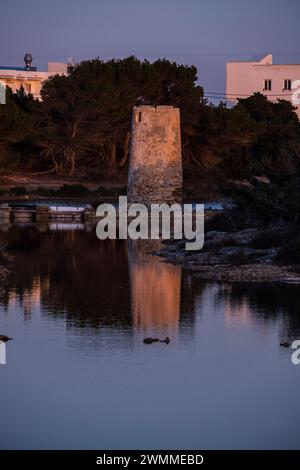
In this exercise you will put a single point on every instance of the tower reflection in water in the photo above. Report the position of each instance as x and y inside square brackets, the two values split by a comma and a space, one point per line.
[91, 285]
[72, 276]
[155, 288]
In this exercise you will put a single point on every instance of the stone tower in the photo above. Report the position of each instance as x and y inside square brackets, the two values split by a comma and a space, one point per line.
[155, 171]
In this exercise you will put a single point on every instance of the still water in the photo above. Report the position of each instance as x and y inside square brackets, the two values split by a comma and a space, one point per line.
[78, 374]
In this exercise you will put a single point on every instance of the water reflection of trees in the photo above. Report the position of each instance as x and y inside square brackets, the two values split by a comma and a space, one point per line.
[268, 302]
[93, 284]
[73, 274]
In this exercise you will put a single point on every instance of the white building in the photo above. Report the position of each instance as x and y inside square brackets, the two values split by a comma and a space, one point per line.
[276, 81]
[29, 77]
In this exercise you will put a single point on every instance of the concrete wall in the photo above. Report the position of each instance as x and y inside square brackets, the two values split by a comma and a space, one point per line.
[239, 79]
[155, 172]
[57, 68]
[32, 81]
[245, 78]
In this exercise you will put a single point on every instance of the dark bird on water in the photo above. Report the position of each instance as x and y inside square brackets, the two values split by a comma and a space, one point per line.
[284, 344]
[166, 340]
[156, 340]
[5, 338]
[151, 340]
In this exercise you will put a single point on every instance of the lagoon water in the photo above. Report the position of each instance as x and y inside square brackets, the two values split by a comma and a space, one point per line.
[78, 375]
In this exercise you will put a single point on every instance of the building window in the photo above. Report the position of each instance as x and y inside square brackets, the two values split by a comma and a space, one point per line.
[268, 85]
[138, 118]
[287, 84]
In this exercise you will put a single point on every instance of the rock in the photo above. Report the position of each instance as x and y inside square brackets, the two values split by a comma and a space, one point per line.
[215, 235]
[242, 183]
[244, 237]
[248, 255]
[262, 179]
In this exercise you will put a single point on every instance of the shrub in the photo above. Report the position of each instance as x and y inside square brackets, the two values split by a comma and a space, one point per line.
[72, 190]
[290, 250]
[272, 237]
[239, 258]
[18, 191]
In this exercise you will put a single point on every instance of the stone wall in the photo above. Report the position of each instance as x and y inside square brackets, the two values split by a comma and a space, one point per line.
[155, 172]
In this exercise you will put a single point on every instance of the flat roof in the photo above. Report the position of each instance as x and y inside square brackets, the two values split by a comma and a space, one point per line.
[257, 64]
[6, 67]
[276, 65]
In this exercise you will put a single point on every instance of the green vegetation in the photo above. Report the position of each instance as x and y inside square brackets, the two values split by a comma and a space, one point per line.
[83, 123]
[273, 209]
[80, 132]
[82, 126]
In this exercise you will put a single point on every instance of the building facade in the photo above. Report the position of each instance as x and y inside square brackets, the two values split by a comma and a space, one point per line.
[29, 77]
[276, 81]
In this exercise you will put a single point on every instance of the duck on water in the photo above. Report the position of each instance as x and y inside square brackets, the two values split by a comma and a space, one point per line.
[5, 338]
[157, 340]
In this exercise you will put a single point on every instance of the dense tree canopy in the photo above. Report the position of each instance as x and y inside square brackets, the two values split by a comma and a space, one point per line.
[82, 125]
[16, 126]
[86, 115]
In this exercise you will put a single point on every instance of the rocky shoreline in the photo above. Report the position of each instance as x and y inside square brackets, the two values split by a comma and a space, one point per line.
[234, 257]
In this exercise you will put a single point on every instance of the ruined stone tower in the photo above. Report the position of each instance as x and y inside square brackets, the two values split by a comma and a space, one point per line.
[155, 172]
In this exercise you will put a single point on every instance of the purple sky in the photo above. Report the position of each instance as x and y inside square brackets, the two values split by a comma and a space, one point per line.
[207, 33]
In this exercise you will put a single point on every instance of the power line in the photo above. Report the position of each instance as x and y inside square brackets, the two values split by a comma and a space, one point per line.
[240, 94]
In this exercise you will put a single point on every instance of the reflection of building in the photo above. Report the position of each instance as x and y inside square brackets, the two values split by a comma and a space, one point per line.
[28, 77]
[240, 313]
[31, 296]
[155, 287]
[273, 80]
[2, 353]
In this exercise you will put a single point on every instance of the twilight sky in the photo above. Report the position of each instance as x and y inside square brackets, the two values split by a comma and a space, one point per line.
[206, 33]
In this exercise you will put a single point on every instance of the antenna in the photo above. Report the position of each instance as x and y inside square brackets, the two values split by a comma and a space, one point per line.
[71, 61]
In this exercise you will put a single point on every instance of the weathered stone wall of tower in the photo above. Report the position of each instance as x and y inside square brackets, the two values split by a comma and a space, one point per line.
[155, 172]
